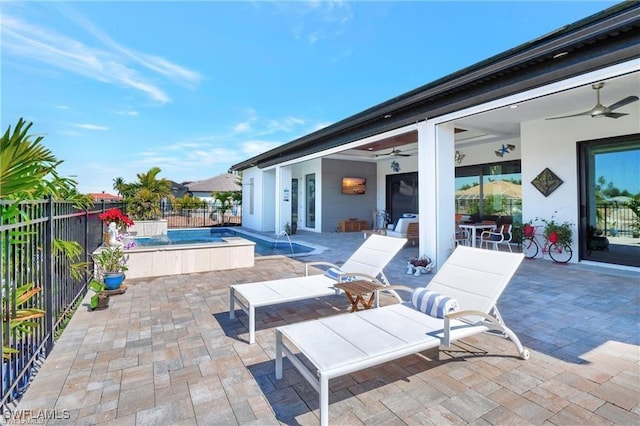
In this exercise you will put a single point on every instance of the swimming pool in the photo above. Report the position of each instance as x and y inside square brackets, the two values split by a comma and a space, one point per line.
[264, 246]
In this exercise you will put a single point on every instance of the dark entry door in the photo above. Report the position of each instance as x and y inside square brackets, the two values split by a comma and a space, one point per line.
[402, 194]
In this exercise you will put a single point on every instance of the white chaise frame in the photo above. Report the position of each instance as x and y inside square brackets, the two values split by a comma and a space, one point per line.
[368, 338]
[367, 262]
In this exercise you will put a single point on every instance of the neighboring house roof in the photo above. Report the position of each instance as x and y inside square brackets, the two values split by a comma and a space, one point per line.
[605, 38]
[503, 188]
[221, 183]
[178, 190]
[99, 196]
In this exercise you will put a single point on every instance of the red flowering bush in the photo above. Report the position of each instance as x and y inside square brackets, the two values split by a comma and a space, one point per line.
[115, 215]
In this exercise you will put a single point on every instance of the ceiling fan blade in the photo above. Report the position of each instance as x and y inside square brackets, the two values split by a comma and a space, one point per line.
[402, 155]
[623, 102]
[574, 115]
[614, 114]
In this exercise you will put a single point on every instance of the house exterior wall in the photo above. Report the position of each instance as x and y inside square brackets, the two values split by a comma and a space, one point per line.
[268, 194]
[204, 196]
[337, 206]
[553, 144]
[252, 198]
[484, 152]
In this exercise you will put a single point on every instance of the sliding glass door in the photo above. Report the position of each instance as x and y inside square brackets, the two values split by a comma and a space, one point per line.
[610, 200]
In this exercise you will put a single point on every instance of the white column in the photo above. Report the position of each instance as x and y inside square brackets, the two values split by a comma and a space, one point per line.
[436, 180]
[277, 202]
[445, 189]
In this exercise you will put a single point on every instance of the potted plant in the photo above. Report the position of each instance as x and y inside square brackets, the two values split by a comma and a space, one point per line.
[417, 266]
[121, 220]
[558, 233]
[111, 266]
[613, 231]
[100, 300]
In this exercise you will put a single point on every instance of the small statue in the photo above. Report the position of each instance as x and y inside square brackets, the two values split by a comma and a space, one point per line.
[113, 235]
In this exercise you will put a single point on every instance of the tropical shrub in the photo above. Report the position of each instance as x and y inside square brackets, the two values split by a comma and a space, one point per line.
[28, 171]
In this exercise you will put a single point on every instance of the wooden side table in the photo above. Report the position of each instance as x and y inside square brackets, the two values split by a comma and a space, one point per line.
[356, 292]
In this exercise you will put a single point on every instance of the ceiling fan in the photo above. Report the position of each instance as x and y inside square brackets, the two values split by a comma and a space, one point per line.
[600, 110]
[394, 153]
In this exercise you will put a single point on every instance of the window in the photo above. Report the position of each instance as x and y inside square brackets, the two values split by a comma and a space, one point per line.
[310, 181]
[489, 190]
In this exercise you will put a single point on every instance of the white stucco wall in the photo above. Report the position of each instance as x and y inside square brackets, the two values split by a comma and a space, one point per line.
[553, 144]
[483, 153]
[252, 219]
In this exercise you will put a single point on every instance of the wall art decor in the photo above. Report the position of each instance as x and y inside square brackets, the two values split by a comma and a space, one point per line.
[395, 166]
[505, 149]
[547, 182]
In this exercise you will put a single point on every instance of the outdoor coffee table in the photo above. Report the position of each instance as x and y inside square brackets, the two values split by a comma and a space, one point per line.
[357, 290]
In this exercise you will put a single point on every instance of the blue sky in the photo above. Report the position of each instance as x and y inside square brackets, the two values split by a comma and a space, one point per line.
[195, 87]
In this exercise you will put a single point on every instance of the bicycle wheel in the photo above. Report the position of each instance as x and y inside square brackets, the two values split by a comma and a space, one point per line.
[560, 253]
[530, 247]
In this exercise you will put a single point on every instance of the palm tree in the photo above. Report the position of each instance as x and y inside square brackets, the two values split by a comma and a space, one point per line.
[145, 195]
[160, 187]
[119, 185]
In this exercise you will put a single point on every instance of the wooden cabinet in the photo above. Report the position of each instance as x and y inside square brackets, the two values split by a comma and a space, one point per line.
[352, 225]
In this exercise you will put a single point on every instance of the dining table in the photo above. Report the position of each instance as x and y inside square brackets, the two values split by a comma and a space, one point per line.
[473, 227]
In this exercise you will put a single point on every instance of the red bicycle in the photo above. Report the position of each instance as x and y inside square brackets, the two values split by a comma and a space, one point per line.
[531, 246]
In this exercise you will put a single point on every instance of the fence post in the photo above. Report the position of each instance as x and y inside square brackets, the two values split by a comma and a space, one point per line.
[48, 276]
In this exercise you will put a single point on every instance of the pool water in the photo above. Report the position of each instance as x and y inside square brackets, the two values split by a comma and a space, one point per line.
[214, 235]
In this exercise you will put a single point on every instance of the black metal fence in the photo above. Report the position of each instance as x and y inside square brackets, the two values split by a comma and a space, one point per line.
[30, 257]
[616, 219]
[206, 214]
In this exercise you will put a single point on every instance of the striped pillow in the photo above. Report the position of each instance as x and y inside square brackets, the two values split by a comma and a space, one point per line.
[432, 303]
[339, 275]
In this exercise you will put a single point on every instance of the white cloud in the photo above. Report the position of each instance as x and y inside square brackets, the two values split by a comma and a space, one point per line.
[130, 113]
[111, 63]
[257, 147]
[319, 20]
[90, 126]
[243, 127]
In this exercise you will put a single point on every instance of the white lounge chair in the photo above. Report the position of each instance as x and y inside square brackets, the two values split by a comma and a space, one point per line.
[346, 343]
[366, 262]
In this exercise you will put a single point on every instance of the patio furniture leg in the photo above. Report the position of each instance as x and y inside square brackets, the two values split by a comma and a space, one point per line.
[278, 355]
[232, 304]
[324, 400]
[252, 324]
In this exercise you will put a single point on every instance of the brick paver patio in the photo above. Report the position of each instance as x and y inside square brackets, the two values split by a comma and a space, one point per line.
[165, 352]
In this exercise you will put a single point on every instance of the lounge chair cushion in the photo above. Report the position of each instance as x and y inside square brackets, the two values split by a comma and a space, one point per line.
[339, 275]
[433, 304]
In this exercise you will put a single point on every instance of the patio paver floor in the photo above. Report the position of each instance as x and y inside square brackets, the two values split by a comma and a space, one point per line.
[165, 352]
